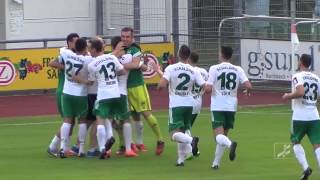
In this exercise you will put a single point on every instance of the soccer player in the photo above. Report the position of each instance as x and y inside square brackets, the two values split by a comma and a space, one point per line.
[74, 97]
[138, 94]
[197, 92]
[71, 39]
[305, 117]
[110, 103]
[126, 61]
[179, 79]
[223, 83]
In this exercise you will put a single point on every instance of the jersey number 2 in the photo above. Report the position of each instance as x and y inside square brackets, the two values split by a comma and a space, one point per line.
[186, 78]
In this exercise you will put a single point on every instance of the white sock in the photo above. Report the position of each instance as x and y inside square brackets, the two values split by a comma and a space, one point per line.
[300, 155]
[109, 130]
[181, 152]
[139, 131]
[188, 132]
[218, 154]
[54, 143]
[82, 136]
[317, 152]
[64, 133]
[188, 146]
[127, 134]
[67, 145]
[101, 136]
[223, 140]
[181, 138]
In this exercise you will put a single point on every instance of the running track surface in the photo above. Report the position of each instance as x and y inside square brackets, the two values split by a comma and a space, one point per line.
[15, 106]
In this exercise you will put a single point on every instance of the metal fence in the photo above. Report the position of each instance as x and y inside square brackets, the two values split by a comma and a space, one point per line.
[52, 42]
[196, 22]
[205, 16]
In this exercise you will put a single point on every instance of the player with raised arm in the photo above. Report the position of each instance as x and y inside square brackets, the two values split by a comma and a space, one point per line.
[223, 83]
[305, 117]
[179, 79]
[74, 97]
[138, 94]
[58, 64]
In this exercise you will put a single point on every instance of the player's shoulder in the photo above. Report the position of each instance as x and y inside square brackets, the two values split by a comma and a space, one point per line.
[171, 66]
[308, 73]
[126, 58]
[63, 49]
[214, 67]
[92, 63]
[88, 59]
[202, 70]
[107, 56]
[66, 52]
[298, 74]
[135, 46]
[239, 68]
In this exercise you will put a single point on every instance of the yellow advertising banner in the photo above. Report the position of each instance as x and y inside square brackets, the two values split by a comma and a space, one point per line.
[28, 69]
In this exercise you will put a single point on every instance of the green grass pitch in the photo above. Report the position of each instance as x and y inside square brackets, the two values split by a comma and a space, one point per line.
[258, 130]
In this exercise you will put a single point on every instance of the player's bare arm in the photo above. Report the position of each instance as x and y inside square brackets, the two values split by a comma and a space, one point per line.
[298, 93]
[163, 83]
[133, 65]
[55, 64]
[81, 80]
[157, 68]
[248, 88]
[208, 88]
[121, 72]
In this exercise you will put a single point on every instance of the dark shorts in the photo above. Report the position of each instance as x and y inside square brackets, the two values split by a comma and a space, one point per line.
[223, 119]
[91, 100]
[180, 118]
[301, 128]
[74, 106]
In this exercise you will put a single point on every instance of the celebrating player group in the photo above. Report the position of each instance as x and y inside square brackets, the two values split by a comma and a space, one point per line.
[106, 92]
[94, 89]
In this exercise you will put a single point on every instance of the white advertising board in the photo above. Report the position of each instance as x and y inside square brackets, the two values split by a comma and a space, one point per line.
[271, 60]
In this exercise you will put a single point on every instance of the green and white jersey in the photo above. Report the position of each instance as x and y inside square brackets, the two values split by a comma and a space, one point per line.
[75, 65]
[61, 71]
[181, 78]
[135, 77]
[225, 79]
[125, 59]
[197, 91]
[305, 108]
[104, 70]
[93, 89]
